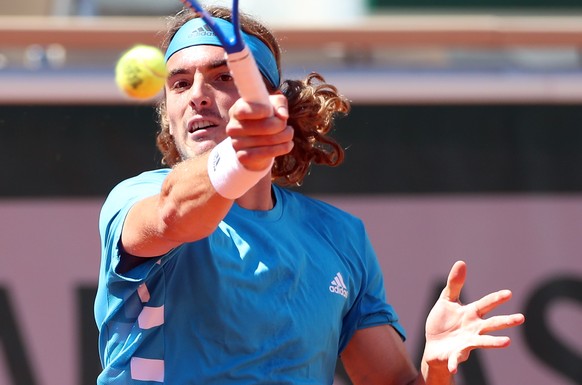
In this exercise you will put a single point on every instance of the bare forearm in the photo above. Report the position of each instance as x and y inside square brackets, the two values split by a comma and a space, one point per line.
[187, 209]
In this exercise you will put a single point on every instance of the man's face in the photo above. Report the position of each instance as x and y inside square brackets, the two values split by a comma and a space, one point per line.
[199, 94]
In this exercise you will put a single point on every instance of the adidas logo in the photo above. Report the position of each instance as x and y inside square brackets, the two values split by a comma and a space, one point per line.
[205, 30]
[338, 286]
[214, 161]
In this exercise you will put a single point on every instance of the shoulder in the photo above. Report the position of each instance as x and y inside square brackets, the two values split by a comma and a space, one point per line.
[133, 189]
[296, 198]
[152, 177]
[145, 184]
[324, 212]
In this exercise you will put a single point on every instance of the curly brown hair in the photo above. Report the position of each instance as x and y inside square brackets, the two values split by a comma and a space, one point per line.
[313, 106]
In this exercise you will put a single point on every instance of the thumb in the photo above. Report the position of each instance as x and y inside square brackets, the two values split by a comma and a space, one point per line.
[455, 282]
[280, 106]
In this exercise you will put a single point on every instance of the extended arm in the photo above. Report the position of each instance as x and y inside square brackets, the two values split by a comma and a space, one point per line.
[188, 207]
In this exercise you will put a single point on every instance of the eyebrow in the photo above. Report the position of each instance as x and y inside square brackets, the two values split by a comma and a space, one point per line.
[210, 66]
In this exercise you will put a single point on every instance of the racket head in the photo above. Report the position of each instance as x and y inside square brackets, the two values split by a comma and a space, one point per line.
[241, 62]
[231, 40]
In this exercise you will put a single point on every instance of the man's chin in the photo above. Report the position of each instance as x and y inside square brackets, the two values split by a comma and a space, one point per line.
[200, 150]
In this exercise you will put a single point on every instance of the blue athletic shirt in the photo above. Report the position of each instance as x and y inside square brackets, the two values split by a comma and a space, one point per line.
[271, 297]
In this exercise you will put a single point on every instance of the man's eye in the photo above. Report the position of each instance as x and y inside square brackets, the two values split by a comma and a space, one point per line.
[180, 84]
[227, 77]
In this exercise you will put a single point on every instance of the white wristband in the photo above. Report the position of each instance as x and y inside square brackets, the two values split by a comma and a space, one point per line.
[227, 174]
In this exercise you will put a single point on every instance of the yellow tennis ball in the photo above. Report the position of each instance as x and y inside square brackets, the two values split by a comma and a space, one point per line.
[141, 72]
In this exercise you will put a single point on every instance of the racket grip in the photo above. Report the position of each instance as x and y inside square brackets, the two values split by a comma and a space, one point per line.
[247, 78]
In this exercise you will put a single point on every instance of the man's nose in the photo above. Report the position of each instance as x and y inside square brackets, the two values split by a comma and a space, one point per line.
[199, 93]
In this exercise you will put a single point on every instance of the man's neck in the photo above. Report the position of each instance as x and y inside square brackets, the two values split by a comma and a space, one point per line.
[259, 197]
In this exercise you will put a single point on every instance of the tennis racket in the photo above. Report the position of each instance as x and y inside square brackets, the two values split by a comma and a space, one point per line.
[240, 60]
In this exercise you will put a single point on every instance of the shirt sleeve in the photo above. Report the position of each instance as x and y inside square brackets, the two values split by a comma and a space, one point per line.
[112, 218]
[375, 308]
[370, 307]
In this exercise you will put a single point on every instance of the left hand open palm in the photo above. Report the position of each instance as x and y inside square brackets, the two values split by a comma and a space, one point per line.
[453, 330]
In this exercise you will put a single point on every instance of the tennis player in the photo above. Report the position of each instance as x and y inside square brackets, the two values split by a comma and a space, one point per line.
[213, 272]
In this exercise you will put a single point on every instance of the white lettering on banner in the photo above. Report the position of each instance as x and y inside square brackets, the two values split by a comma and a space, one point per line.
[527, 244]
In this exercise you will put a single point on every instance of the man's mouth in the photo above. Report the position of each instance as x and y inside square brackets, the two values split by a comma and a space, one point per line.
[201, 125]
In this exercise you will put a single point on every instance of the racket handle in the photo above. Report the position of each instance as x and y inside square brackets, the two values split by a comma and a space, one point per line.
[247, 78]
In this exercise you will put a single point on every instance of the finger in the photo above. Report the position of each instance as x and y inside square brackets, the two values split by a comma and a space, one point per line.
[491, 342]
[248, 157]
[491, 301]
[266, 126]
[242, 110]
[453, 364]
[243, 142]
[502, 322]
[456, 358]
[455, 282]
[280, 107]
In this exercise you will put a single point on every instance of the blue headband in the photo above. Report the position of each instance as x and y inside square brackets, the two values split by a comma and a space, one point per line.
[196, 32]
